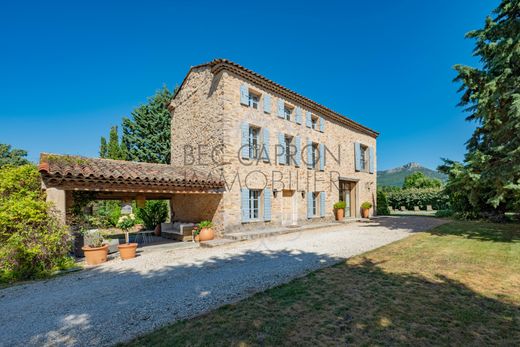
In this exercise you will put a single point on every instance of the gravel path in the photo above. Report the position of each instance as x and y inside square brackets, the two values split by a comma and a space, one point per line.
[120, 300]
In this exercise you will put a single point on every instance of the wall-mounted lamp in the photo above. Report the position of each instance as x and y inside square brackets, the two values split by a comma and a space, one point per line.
[303, 194]
[275, 193]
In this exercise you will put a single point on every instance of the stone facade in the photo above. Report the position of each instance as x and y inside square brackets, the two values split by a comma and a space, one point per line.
[208, 116]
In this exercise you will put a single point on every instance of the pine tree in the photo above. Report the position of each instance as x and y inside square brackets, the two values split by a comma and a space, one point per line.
[114, 149]
[103, 150]
[147, 135]
[489, 179]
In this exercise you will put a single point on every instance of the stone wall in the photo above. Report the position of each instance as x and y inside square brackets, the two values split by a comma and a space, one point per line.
[207, 113]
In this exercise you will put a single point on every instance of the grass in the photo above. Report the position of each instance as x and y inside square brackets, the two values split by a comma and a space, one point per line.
[458, 284]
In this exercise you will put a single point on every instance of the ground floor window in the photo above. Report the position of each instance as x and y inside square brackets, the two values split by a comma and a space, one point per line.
[254, 204]
[315, 196]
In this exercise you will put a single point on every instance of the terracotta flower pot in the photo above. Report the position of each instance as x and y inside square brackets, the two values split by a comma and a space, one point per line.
[206, 234]
[127, 250]
[340, 214]
[366, 213]
[95, 255]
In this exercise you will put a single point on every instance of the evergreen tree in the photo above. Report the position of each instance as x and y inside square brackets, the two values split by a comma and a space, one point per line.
[489, 178]
[114, 149]
[147, 135]
[103, 150]
[12, 156]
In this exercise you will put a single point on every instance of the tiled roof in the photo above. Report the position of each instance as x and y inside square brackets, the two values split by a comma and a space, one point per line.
[218, 65]
[82, 169]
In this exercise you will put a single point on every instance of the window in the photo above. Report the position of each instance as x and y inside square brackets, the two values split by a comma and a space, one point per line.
[254, 204]
[314, 205]
[254, 142]
[287, 149]
[314, 123]
[287, 111]
[363, 159]
[315, 155]
[254, 99]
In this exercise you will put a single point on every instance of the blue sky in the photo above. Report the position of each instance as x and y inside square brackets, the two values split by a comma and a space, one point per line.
[69, 70]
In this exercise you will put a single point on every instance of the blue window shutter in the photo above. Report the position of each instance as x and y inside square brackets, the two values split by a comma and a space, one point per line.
[371, 160]
[308, 120]
[281, 149]
[298, 154]
[322, 157]
[267, 204]
[323, 200]
[357, 150]
[265, 144]
[244, 95]
[298, 117]
[267, 103]
[322, 124]
[244, 202]
[309, 205]
[281, 105]
[245, 141]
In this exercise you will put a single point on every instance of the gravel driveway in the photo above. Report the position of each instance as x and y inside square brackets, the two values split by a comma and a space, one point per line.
[120, 300]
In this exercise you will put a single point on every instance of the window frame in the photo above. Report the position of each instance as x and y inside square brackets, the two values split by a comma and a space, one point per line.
[314, 203]
[363, 158]
[255, 198]
[253, 99]
[315, 122]
[314, 155]
[288, 140]
[254, 135]
[287, 112]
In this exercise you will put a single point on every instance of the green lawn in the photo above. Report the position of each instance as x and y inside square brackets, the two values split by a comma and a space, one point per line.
[456, 285]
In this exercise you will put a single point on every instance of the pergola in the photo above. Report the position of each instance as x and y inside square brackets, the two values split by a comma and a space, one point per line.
[118, 180]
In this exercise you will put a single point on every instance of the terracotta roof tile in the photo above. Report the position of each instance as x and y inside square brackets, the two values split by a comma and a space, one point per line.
[71, 167]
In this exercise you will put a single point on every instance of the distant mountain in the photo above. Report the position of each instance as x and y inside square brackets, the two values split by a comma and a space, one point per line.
[395, 177]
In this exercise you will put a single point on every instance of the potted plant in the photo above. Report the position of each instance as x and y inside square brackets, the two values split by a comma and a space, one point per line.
[127, 250]
[203, 231]
[339, 208]
[94, 249]
[365, 207]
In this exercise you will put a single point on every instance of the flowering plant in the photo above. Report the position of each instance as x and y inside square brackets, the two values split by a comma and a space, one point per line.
[125, 222]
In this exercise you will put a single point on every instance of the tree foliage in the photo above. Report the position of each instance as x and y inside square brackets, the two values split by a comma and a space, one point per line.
[420, 180]
[12, 156]
[147, 134]
[421, 197]
[114, 149]
[488, 182]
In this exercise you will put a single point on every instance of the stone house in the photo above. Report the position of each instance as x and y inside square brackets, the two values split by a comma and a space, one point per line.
[247, 153]
[284, 158]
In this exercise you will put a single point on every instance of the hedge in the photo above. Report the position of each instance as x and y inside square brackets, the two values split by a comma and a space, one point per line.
[421, 197]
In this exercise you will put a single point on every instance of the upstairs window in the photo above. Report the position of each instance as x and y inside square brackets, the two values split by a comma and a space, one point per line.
[254, 100]
[287, 149]
[314, 155]
[363, 158]
[254, 143]
[315, 123]
[287, 112]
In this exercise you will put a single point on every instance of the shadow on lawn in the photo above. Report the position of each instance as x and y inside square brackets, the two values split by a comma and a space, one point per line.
[102, 305]
[353, 304]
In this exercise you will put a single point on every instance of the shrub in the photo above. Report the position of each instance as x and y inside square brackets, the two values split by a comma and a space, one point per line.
[340, 205]
[444, 213]
[366, 205]
[382, 204]
[32, 243]
[419, 197]
[154, 213]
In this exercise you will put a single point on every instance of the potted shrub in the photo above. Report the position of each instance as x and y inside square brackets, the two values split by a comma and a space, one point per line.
[339, 208]
[127, 250]
[94, 249]
[203, 231]
[365, 207]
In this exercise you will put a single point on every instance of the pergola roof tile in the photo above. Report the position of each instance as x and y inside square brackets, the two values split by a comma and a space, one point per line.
[56, 168]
